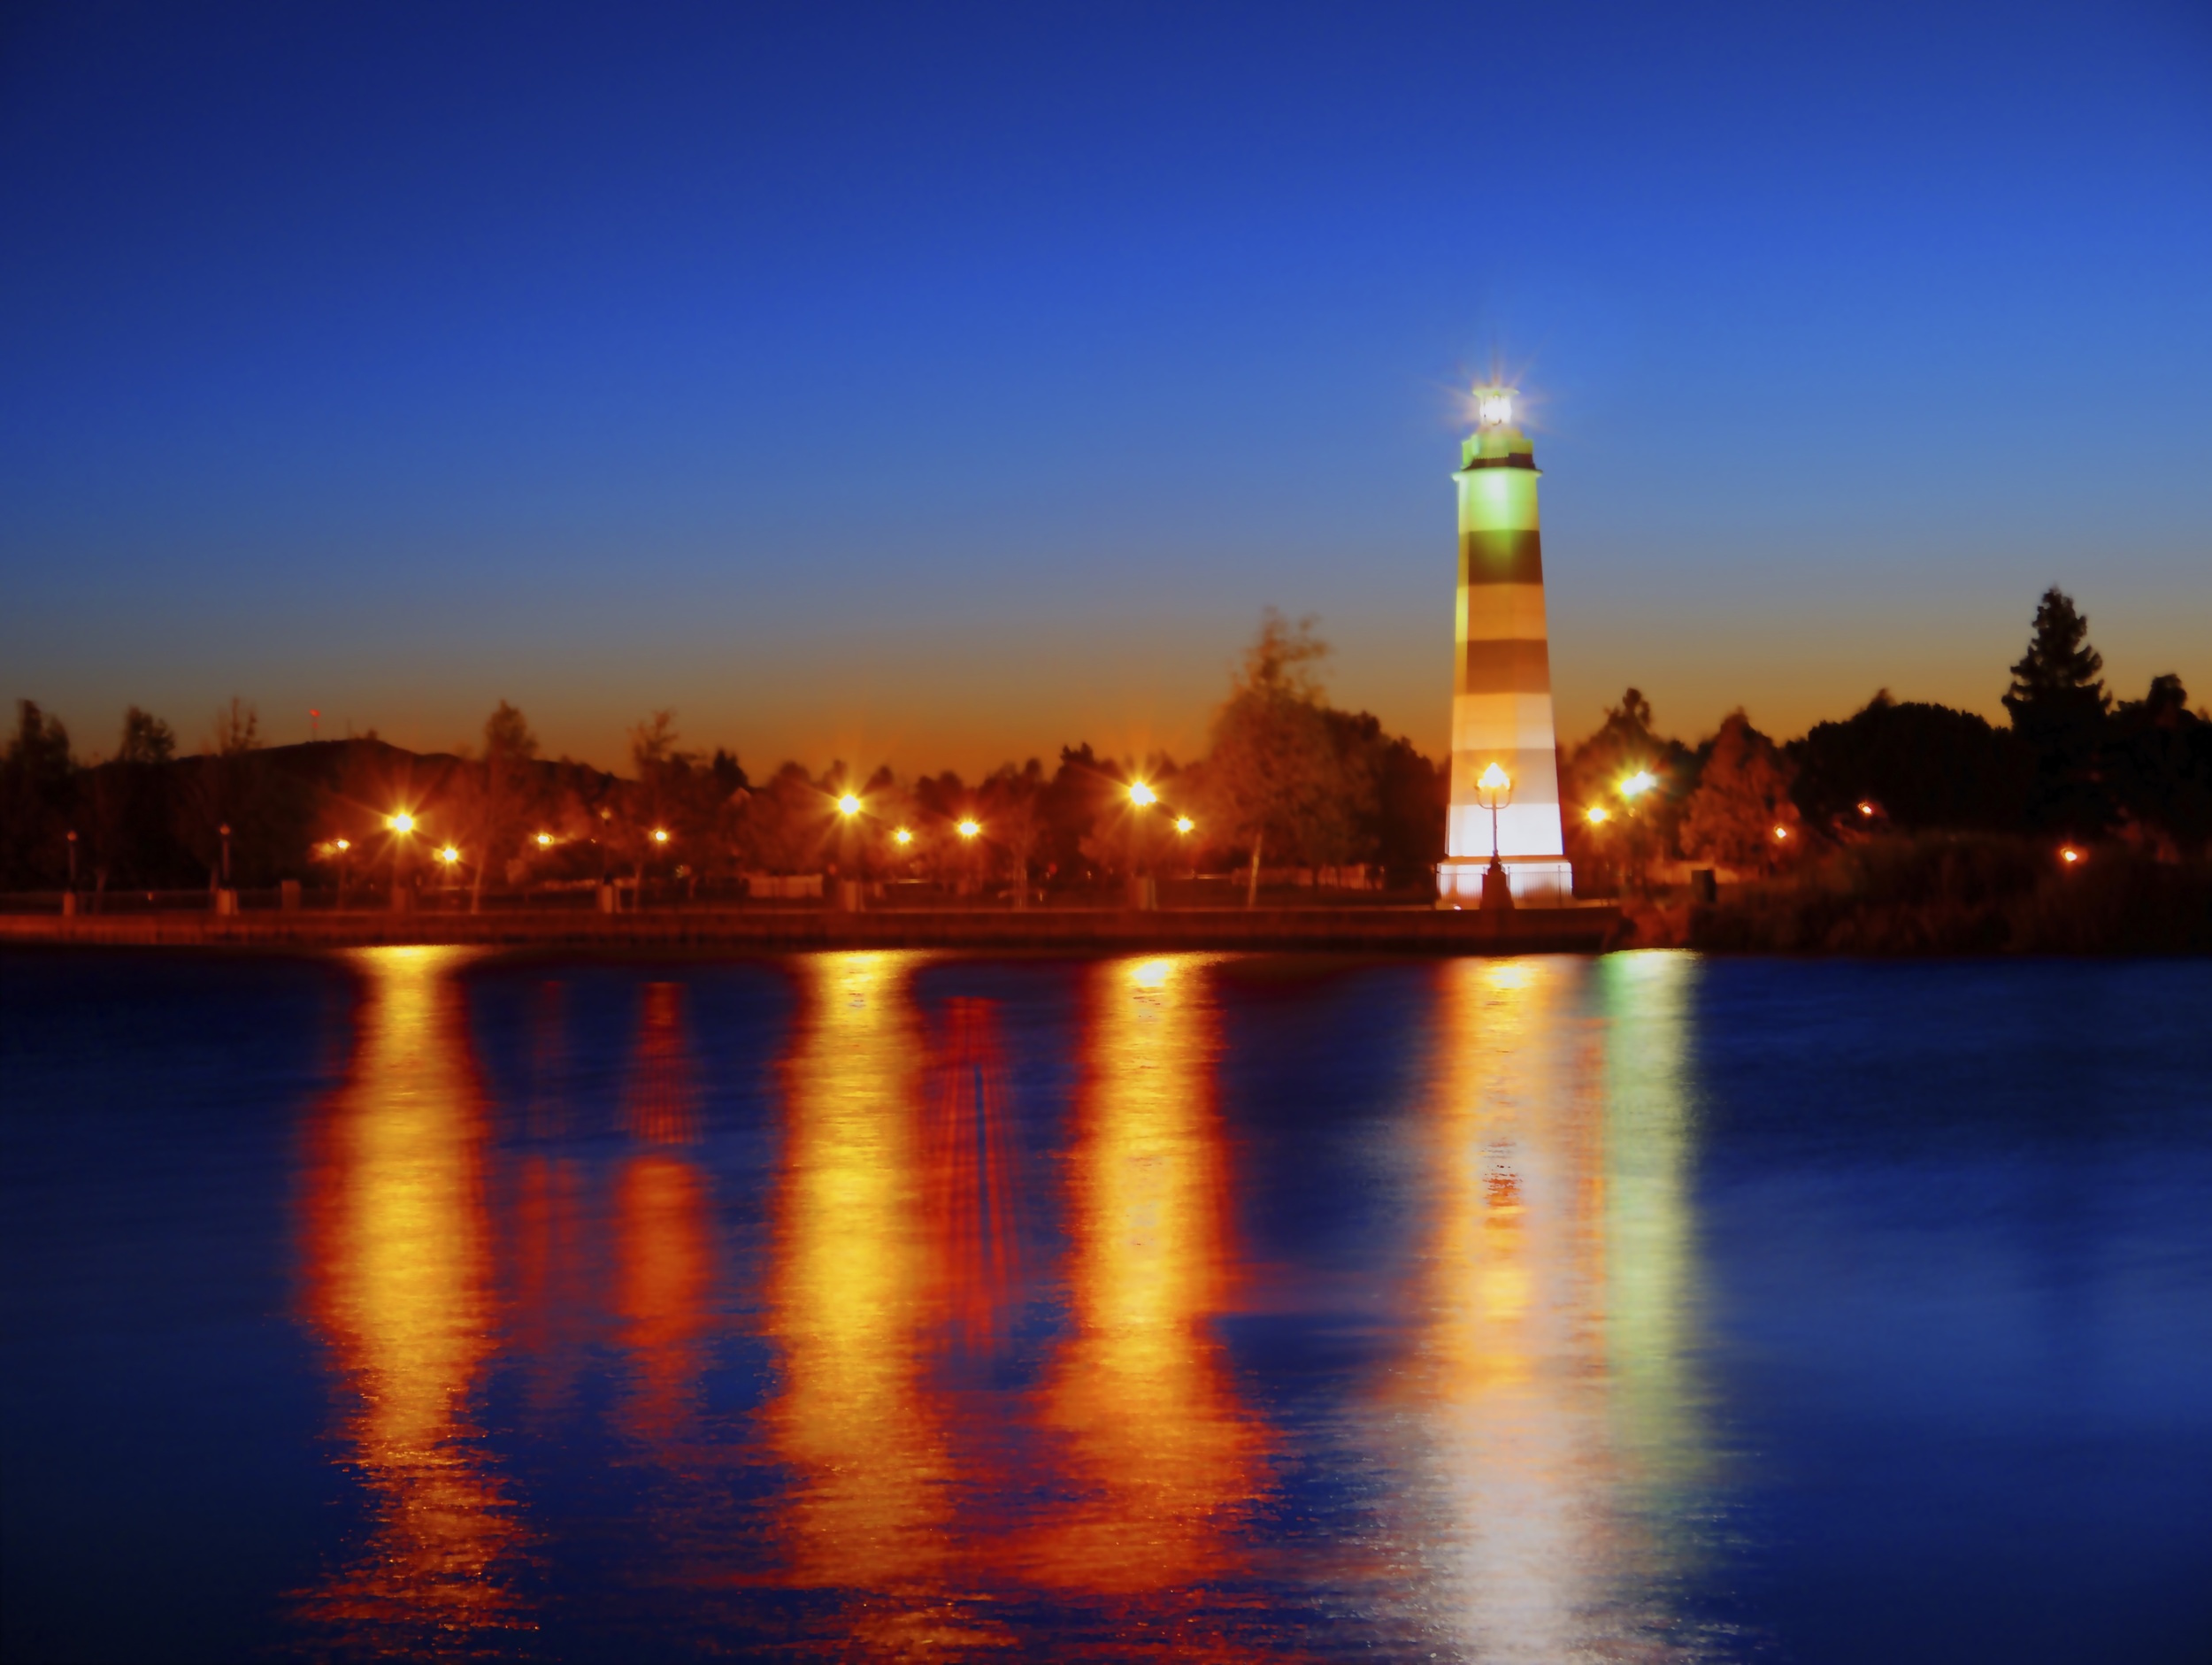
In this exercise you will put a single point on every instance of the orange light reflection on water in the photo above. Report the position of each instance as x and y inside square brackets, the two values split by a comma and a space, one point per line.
[1161, 1458]
[863, 1440]
[397, 1257]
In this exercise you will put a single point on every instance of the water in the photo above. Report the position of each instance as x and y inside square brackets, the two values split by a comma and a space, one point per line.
[417, 1302]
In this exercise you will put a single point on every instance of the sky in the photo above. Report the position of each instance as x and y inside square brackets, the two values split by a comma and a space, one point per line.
[940, 386]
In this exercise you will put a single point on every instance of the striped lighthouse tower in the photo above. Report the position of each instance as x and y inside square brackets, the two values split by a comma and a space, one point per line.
[1501, 720]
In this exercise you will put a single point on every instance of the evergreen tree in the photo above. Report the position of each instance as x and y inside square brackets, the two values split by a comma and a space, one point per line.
[2059, 674]
[2059, 706]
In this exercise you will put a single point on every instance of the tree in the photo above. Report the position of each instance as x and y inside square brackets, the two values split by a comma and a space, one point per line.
[2159, 768]
[1273, 775]
[1917, 767]
[1012, 806]
[1741, 815]
[37, 794]
[146, 739]
[2059, 673]
[237, 730]
[2058, 705]
[1635, 827]
[492, 799]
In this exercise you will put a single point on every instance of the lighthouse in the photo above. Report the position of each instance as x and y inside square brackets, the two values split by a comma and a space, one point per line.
[1505, 762]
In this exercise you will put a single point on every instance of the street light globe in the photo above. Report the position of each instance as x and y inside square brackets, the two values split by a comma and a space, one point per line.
[1598, 814]
[2069, 856]
[1183, 823]
[448, 855]
[848, 805]
[1780, 834]
[545, 841]
[1866, 809]
[1141, 795]
[345, 844]
[969, 829]
[660, 835]
[403, 822]
[1494, 779]
[902, 836]
[1641, 780]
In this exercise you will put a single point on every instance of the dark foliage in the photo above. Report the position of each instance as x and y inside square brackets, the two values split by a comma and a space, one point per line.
[1921, 766]
[1939, 894]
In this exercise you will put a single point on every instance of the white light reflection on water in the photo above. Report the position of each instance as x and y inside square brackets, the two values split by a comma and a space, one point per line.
[1542, 1403]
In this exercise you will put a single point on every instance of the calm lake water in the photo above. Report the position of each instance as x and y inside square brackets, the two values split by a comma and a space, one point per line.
[422, 1301]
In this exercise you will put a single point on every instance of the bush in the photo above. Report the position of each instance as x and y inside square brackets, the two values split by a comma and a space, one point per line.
[1969, 895]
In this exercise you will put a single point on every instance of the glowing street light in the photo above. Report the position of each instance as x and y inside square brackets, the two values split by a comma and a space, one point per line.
[545, 841]
[401, 822]
[344, 845]
[1642, 781]
[660, 835]
[902, 836]
[969, 829]
[1597, 815]
[1781, 834]
[448, 855]
[1866, 810]
[1184, 824]
[848, 805]
[1493, 789]
[1141, 795]
[2070, 855]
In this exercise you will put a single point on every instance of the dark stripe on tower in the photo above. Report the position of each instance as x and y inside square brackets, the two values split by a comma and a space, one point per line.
[1506, 665]
[1501, 557]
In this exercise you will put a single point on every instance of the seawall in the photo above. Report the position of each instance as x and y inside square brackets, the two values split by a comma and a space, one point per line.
[1580, 930]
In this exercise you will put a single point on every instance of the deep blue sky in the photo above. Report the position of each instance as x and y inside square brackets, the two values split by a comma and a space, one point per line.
[946, 385]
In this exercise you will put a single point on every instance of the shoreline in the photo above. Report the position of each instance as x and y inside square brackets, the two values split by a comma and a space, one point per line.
[1577, 929]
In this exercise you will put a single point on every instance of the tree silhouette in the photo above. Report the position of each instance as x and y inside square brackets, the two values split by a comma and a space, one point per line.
[2058, 705]
[1273, 777]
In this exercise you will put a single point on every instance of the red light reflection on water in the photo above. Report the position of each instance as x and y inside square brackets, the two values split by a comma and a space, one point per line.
[971, 1204]
[665, 1248]
[397, 1258]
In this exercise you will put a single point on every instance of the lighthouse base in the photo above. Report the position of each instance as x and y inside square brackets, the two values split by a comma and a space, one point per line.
[1538, 881]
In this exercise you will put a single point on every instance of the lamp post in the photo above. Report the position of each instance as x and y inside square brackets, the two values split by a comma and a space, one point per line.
[848, 896]
[69, 896]
[1493, 790]
[1144, 894]
[402, 824]
[1631, 789]
[344, 846]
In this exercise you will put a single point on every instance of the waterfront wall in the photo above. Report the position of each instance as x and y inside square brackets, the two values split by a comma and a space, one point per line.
[1586, 930]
